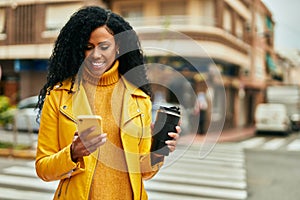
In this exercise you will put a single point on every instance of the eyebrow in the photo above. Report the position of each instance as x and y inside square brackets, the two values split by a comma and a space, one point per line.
[104, 42]
[100, 43]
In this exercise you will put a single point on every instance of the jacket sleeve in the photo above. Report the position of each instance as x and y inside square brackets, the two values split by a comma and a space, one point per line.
[149, 168]
[53, 159]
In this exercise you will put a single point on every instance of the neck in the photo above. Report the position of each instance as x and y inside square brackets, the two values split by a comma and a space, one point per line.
[109, 77]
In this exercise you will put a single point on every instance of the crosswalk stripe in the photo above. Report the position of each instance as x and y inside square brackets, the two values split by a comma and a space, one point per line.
[202, 174]
[235, 172]
[228, 146]
[30, 164]
[291, 143]
[191, 190]
[274, 144]
[21, 171]
[294, 146]
[211, 161]
[9, 193]
[253, 142]
[172, 178]
[220, 154]
[215, 157]
[234, 153]
[159, 196]
[26, 182]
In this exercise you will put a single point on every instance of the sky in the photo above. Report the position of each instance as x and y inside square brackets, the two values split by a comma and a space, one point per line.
[286, 14]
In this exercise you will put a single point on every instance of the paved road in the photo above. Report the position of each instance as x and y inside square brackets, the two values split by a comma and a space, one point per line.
[185, 175]
[18, 181]
[290, 143]
[221, 175]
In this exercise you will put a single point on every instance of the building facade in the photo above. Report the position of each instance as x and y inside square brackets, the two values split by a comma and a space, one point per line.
[235, 37]
[28, 29]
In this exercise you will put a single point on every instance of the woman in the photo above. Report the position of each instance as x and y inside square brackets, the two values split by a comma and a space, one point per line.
[97, 68]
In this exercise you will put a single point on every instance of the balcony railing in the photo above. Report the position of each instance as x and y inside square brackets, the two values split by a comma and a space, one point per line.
[171, 21]
[174, 21]
[206, 25]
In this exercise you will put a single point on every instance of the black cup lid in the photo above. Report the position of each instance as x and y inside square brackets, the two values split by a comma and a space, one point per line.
[172, 109]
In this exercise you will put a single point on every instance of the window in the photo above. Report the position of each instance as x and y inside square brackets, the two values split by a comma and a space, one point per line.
[58, 15]
[260, 26]
[259, 66]
[207, 15]
[227, 20]
[2, 20]
[269, 23]
[239, 28]
[271, 67]
[207, 12]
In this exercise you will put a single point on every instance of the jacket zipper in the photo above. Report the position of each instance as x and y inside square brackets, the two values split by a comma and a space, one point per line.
[67, 185]
[142, 124]
[94, 173]
[59, 192]
[141, 136]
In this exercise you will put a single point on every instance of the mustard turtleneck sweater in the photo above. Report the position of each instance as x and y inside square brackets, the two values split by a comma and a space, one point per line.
[111, 179]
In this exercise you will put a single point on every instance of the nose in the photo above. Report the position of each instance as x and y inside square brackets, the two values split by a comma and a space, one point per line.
[96, 53]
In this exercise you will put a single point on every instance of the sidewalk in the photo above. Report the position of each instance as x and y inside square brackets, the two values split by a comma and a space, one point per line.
[21, 139]
[229, 135]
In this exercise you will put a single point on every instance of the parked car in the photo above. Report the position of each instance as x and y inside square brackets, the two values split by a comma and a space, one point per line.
[273, 118]
[25, 115]
[295, 120]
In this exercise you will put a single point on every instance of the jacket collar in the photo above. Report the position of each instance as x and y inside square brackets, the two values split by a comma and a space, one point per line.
[81, 102]
[133, 90]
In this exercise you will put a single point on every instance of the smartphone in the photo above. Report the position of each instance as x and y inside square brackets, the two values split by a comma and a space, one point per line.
[87, 121]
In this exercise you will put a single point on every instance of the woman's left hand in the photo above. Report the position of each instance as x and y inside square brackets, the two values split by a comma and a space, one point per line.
[172, 143]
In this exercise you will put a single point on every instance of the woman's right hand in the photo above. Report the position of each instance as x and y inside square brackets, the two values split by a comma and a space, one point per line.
[83, 145]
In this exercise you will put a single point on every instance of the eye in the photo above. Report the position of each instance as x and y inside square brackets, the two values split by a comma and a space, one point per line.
[104, 47]
[89, 47]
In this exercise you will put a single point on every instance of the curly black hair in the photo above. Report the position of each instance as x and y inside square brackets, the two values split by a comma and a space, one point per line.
[68, 52]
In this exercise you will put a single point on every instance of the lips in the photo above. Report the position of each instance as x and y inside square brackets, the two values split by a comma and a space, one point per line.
[98, 65]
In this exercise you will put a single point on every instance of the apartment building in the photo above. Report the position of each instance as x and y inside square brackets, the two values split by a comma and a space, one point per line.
[28, 29]
[235, 37]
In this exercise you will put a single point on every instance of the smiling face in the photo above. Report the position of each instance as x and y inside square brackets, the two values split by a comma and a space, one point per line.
[100, 51]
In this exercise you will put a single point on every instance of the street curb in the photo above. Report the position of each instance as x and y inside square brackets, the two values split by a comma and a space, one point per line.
[237, 137]
[230, 135]
[25, 154]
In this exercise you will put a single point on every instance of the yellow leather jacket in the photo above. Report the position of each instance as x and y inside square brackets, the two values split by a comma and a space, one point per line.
[57, 128]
